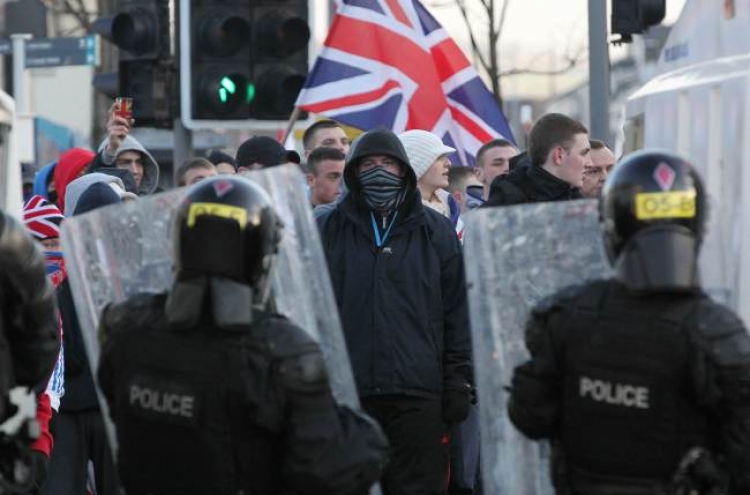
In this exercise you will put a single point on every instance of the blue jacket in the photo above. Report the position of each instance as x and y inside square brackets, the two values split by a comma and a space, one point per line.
[403, 307]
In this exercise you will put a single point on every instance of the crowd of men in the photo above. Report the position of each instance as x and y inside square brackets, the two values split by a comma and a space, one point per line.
[390, 211]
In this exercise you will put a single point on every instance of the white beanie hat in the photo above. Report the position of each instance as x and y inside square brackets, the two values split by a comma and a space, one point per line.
[423, 148]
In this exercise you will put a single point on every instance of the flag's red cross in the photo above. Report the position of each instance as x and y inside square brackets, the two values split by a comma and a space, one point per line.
[222, 187]
[428, 69]
[664, 176]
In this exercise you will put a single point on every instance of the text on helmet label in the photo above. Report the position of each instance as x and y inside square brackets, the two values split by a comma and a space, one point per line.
[672, 204]
[217, 210]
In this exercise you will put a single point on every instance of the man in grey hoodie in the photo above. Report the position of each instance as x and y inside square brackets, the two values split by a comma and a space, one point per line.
[123, 151]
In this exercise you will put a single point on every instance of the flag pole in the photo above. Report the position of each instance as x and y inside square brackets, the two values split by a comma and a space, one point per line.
[290, 125]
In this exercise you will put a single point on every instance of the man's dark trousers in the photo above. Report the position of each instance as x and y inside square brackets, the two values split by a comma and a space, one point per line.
[419, 452]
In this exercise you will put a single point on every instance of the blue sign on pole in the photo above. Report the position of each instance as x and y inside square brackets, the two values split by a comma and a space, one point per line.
[57, 52]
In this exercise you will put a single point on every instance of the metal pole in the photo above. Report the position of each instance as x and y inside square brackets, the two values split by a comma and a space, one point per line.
[598, 70]
[183, 146]
[19, 72]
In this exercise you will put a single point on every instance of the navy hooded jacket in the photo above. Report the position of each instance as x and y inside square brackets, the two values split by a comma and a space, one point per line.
[403, 306]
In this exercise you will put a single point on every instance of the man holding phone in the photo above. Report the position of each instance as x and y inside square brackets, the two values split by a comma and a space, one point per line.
[123, 151]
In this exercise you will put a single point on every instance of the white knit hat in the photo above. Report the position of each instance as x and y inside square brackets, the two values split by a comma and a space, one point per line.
[423, 148]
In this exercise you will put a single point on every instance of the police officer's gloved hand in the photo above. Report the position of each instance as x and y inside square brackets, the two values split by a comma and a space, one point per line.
[457, 399]
[40, 463]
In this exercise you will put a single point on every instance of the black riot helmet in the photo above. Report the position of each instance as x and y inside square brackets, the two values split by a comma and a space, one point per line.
[225, 227]
[653, 215]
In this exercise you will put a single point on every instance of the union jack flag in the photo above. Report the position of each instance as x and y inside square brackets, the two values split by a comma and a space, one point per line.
[390, 63]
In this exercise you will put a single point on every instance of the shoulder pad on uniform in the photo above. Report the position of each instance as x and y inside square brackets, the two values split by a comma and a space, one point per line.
[724, 333]
[285, 338]
[138, 311]
[559, 299]
[301, 365]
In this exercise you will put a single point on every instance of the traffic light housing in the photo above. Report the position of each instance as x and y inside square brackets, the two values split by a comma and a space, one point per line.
[141, 29]
[241, 60]
[631, 17]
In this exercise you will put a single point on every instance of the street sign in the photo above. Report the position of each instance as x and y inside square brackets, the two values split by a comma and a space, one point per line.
[57, 52]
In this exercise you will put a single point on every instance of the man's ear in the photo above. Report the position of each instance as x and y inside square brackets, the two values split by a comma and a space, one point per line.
[557, 155]
[478, 173]
[310, 179]
[458, 196]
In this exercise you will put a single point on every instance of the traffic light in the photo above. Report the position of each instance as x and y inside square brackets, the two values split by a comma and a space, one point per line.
[281, 37]
[141, 29]
[241, 60]
[631, 17]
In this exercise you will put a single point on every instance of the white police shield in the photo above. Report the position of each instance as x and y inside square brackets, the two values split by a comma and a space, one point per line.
[515, 256]
[118, 251]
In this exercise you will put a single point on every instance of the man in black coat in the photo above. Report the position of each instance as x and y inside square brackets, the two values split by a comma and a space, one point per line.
[398, 276]
[558, 152]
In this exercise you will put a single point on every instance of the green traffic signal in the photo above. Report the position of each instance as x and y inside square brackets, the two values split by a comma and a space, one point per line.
[227, 88]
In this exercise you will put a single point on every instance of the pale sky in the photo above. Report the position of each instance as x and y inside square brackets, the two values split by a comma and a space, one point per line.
[531, 24]
[537, 34]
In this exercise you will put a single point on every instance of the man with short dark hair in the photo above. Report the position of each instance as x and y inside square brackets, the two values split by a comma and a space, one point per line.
[194, 170]
[262, 151]
[594, 175]
[325, 133]
[493, 160]
[460, 178]
[224, 163]
[558, 151]
[325, 168]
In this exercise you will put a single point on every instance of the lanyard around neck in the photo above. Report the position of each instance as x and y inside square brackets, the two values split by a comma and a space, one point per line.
[378, 240]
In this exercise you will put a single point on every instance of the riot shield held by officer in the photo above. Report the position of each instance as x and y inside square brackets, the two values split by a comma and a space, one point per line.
[631, 377]
[209, 391]
[29, 343]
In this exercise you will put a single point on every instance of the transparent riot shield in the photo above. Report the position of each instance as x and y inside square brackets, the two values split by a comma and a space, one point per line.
[118, 251]
[514, 257]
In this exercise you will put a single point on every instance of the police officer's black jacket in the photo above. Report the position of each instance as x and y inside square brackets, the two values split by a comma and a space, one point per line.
[529, 183]
[29, 333]
[626, 385]
[204, 409]
[403, 307]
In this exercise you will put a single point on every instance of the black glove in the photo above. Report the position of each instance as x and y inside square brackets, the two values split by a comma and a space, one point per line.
[699, 472]
[456, 401]
[40, 462]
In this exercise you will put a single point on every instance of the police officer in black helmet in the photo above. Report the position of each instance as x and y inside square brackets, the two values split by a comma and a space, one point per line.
[29, 345]
[641, 382]
[210, 393]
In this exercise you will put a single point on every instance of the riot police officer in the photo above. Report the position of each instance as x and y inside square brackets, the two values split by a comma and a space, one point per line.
[641, 382]
[212, 394]
[29, 344]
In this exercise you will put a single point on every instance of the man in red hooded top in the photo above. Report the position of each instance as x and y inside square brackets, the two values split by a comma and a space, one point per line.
[70, 166]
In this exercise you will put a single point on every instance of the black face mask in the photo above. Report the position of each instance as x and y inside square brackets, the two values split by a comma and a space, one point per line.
[382, 190]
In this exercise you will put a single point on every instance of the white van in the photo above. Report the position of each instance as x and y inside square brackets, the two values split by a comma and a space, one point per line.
[699, 107]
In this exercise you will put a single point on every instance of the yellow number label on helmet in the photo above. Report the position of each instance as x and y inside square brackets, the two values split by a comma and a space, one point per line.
[672, 204]
[217, 210]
